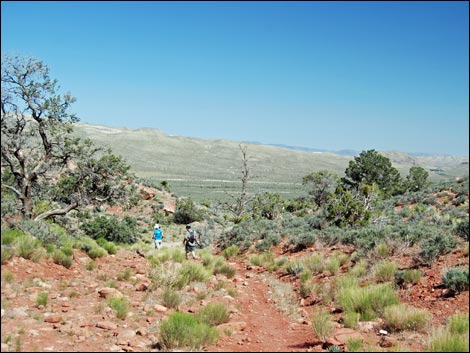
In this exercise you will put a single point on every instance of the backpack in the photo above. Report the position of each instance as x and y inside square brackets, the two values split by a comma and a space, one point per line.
[192, 236]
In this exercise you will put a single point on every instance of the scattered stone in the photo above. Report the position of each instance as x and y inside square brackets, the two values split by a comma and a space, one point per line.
[160, 308]
[18, 312]
[33, 333]
[141, 332]
[368, 326]
[141, 287]
[342, 335]
[234, 326]
[107, 291]
[107, 325]
[386, 342]
[115, 348]
[125, 337]
[53, 319]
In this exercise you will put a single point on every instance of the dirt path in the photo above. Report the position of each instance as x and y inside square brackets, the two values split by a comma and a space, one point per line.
[77, 317]
[259, 326]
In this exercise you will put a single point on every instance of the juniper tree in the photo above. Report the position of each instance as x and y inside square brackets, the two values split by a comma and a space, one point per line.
[41, 159]
[371, 167]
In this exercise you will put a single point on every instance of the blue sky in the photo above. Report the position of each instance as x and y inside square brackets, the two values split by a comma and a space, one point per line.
[330, 75]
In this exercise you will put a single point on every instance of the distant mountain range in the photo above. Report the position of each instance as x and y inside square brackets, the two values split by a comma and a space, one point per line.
[347, 152]
[206, 168]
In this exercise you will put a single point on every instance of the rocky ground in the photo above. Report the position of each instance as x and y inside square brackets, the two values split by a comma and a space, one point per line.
[77, 318]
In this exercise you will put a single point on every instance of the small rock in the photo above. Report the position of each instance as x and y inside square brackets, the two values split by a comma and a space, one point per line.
[53, 319]
[160, 308]
[107, 325]
[107, 291]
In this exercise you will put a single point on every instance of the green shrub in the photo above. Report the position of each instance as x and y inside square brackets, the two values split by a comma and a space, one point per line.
[41, 299]
[120, 306]
[305, 276]
[458, 323]
[462, 229]
[322, 323]
[313, 263]
[231, 251]
[191, 272]
[183, 330]
[186, 211]
[62, 259]
[368, 301]
[456, 278]
[385, 270]
[381, 250]
[407, 276]
[7, 253]
[359, 269]
[266, 205]
[9, 235]
[341, 257]
[436, 245]
[110, 247]
[351, 319]
[302, 240]
[404, 317]
[262, 259]
[354, 344]
[91, 265]
[442, 340]
[49, 248]
[177, 255]
[346, 281]
[47, 233]
[294, 267]
[125, 275]
[332, 265]
[67, 250]
[112, 229]
[281, 261]
[95, 252]
[213, 314]
[25, 246]
[8, 277]
[306, 289]
[170, 298]
[224, 269]
[269, 241]
[255, 260]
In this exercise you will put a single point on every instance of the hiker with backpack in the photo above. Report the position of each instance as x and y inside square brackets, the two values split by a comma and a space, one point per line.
[190, 242]
[157, 236]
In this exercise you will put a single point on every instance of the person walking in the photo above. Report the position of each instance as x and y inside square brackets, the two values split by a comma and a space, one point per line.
[190, 242]
[157, 236]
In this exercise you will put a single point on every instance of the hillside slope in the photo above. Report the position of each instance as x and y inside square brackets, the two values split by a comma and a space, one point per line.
[208, 168]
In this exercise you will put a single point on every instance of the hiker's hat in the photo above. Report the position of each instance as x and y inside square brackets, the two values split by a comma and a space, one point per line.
[188, 226]
[156, 226]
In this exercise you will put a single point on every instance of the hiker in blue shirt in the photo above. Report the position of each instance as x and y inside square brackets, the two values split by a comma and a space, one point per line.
[157, 236]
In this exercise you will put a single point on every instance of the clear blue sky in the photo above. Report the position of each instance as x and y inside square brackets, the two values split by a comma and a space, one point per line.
[331, 75]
